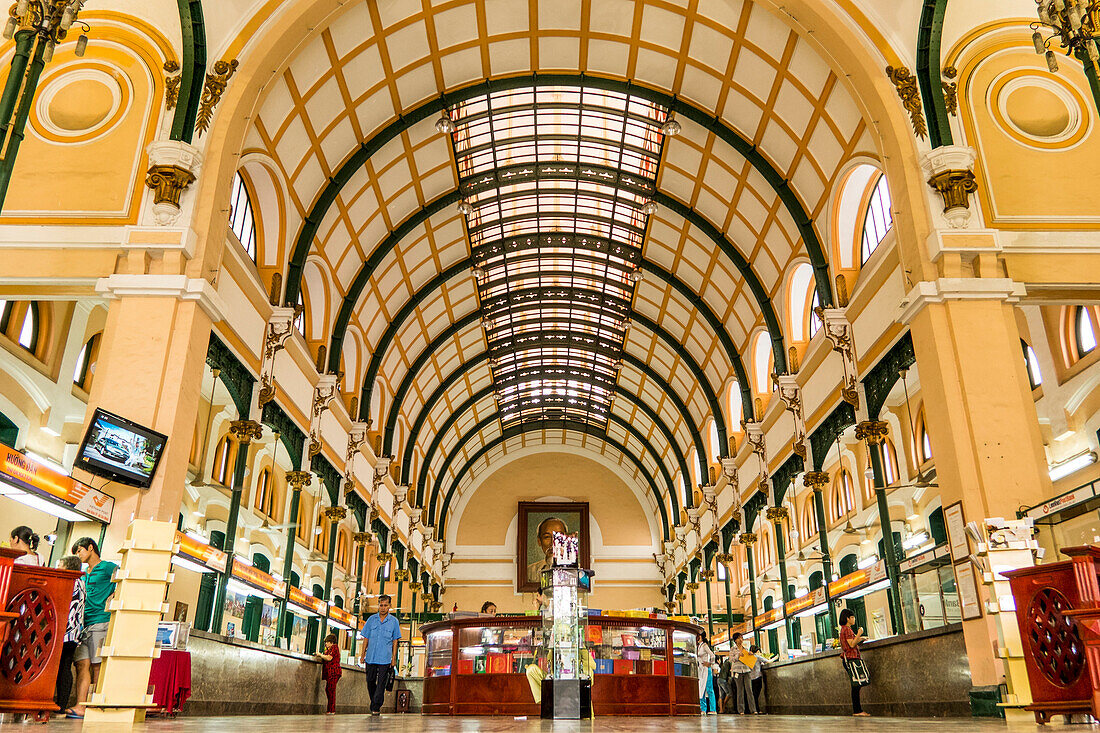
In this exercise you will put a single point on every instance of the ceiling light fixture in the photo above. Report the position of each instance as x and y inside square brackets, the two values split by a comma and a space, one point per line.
[465, 208]
[445, 125]
[1076, 25]
[671, 128]
[1072, 465]
[649, 208]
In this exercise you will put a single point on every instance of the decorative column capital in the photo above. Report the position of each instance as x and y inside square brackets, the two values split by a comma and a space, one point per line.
[385, 557]
[816, 480]
[873, 431]
[681, 596]
[950, 171]
[726, 558]
[335, 513]
[246, 431]
[707, 575]
[692, 586]
[747, 538]
[776, 514]
[173, 167]
[361, 538]
[298, 479]
[401, 574]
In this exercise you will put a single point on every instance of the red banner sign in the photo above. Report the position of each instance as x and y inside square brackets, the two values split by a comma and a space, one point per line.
[341, 616]
[258, 579]
[307, 602]
[19, 471]
[201, 552]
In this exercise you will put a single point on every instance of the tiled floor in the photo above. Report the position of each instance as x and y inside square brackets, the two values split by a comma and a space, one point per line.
[411, 723]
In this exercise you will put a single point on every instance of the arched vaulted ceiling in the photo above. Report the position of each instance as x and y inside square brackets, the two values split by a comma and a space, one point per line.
[766, 128]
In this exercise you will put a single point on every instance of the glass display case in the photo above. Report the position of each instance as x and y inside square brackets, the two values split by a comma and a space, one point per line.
[564, 622]
[439, 652]
[640, 665]
[685, 662]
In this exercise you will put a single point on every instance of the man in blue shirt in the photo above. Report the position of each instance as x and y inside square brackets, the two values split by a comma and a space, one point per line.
[380, 632]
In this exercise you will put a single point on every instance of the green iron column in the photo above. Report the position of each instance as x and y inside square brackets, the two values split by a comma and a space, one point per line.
[335, 515]
[360, 539]
[245, 431]
[874, 432]
[776, 515]
[693, 588]
[748, 539]
[707, 576]
[24, 42]
[727, 560]
[297, 481]
[818, 480]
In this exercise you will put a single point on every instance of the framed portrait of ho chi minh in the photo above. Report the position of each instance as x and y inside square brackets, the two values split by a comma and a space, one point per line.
[538, 520]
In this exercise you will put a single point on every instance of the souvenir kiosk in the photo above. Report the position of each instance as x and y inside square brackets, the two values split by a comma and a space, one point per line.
[640, 663]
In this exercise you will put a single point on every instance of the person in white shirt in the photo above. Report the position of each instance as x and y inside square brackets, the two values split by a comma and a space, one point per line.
[23, 538]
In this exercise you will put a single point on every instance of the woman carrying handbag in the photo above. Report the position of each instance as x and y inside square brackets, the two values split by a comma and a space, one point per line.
[853, 662]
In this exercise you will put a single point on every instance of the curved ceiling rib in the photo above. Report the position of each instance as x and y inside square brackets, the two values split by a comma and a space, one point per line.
[771, 321]
[534, 427]
[476, 429]
[457, 412]
[693, 299]
[674, 345]
[676, 106]
[632, 361]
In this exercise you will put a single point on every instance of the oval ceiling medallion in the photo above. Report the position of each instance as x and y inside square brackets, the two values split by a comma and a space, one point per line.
[81, 104]
[1038, 111]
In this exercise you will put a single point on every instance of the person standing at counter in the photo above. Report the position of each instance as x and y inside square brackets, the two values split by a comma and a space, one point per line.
[743, 660]
[25, 540]
[849, 655]
[706, 659]
[331, 670]
[757, 677]
[74, 627]
[488, 609]
[381, 631]
[99, 588]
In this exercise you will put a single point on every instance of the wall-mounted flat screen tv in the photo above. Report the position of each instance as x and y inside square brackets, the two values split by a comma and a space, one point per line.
[120, 450]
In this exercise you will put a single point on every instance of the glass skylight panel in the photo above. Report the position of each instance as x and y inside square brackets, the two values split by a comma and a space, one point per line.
[556, 180]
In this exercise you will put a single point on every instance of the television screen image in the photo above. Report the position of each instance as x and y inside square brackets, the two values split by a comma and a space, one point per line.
[120, 450]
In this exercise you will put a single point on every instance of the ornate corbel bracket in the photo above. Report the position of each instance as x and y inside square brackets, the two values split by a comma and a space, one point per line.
[790, 394]
[279, 328]
[906, 85]
[172, 78]
[216, 81]
[837, 329]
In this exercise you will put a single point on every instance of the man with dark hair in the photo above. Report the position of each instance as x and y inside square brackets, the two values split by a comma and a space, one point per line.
[99, 588]
[380, 633]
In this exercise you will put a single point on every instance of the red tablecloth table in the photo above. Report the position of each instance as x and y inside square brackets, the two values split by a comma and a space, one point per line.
[170, 678]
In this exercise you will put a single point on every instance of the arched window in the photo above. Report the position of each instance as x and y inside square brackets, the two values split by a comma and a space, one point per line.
[800, 295]
[265, 493]
[762, 363]
[85, 364]
[302, 530]
[736, 407]
[694, 466]
[300, 318]
[878, 220]
[1031, 364]
[815, 320]
[843, 500]
[1084, 330]
[21, 322]
[241, 220]
[714, 446]
[809, 519]
[342, 549]
[225, 456]
[320, 539]
[923, 442]
[890, 462]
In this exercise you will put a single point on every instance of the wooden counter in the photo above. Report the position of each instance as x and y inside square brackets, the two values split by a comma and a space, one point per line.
[477, 666]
